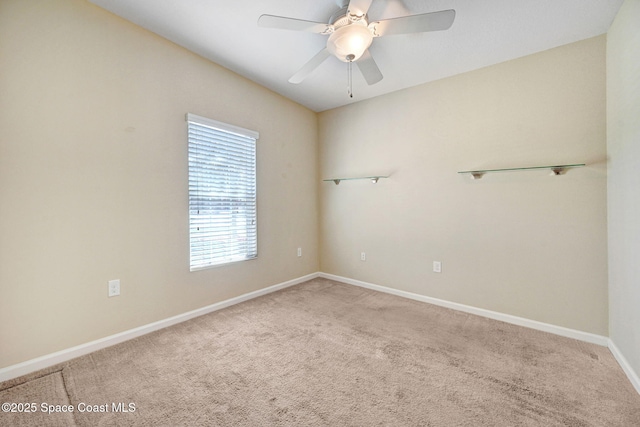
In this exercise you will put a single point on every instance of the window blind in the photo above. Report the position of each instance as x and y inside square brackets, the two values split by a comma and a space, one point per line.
[222, 193]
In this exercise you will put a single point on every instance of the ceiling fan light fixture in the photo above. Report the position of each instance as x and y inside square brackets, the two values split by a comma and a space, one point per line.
[349, 43]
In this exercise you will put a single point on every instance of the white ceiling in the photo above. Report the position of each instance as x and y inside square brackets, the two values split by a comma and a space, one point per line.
[483, 33]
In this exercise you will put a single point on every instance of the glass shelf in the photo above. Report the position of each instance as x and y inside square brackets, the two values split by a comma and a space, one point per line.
[555, 169]
[373, 179]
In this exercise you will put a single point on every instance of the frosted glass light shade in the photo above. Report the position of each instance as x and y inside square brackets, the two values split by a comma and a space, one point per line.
[352, 39]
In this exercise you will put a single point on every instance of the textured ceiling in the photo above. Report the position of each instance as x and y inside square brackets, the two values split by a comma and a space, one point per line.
[483, 33]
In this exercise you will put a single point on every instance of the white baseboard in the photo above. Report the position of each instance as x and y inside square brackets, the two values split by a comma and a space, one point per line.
[48, 360]
[520, 321]
[624, 364]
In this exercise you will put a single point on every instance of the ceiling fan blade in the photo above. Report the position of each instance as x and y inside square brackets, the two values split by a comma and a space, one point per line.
[310, 66]
[284, 23]
[435, 21]
[369, 68]
[357, 9]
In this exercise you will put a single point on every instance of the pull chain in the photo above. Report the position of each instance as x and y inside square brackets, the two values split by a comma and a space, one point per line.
[349, 78]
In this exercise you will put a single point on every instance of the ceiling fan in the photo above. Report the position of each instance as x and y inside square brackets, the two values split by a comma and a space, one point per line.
[351, 33]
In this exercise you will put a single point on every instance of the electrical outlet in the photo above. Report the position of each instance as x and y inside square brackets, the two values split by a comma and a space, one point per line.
[437, 267]
[114, 288]
[363, 256]
[299, 251]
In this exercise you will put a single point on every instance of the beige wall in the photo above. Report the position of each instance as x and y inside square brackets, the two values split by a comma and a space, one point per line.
[623, 147]
[521, 243]
[93, 183]
[93, 177]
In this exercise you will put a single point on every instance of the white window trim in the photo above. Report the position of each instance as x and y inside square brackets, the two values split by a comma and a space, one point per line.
[223, 126]
[228, 128]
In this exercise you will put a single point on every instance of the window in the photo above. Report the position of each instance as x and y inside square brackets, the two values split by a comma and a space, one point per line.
[222, 193]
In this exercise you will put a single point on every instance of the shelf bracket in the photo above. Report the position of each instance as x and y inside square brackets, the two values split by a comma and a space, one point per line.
[374, 179]
[555, 170]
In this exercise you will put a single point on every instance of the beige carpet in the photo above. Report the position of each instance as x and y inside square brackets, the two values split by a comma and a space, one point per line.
[328, 354]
